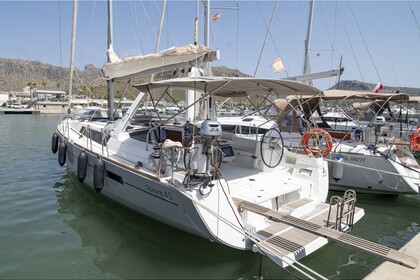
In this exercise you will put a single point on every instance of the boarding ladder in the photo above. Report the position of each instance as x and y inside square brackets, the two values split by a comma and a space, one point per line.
[344, 211]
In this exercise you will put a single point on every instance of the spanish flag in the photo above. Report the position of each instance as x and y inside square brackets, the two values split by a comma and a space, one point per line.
[216, 17]
[278, 65]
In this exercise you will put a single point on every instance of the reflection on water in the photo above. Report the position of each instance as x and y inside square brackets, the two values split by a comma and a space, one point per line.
[123, 244]
[53, 227]
[401, 238]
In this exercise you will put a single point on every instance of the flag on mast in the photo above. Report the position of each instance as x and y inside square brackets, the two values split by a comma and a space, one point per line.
[378, 88]
[216, 17]
[278, 65]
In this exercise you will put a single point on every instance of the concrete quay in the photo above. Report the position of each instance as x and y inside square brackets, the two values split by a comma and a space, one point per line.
[392, 271]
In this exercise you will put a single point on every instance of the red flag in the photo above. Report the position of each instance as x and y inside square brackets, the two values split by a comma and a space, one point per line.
[278, 65]
[216, 17]
[378, 88]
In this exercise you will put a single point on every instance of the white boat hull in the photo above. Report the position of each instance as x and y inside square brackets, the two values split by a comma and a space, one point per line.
[374, 174]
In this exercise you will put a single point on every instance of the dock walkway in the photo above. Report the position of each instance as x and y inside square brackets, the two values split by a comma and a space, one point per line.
[392, 271]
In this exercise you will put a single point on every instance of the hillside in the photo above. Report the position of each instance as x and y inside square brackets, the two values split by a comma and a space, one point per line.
[362, 86]
[15, 74]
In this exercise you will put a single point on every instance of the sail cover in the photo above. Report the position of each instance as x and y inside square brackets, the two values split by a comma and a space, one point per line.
[165, 60]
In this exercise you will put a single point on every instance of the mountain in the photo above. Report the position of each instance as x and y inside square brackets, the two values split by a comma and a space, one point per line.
[362, 86]
[15, 74]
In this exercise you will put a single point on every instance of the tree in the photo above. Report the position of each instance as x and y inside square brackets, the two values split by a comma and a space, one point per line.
[58, 84]
[91, 88]
[31, 86]
[44, 83]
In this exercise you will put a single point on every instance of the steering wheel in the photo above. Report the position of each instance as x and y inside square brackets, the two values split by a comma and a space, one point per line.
[272, 148]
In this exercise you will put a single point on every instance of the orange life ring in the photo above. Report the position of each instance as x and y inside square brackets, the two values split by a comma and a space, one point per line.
[415, 140]
[318, 136]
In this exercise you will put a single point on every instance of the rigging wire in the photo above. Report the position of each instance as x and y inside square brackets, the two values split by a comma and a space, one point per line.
[297, 18]
[326, 26]
[391, 61]
[87, 34]
[364, 42]
[237, 35]
[136, 31]
[415, 18]
[351, 46]
[169, 33]
[332, 41]
[266, 35]
[59, 31]
[271, 37]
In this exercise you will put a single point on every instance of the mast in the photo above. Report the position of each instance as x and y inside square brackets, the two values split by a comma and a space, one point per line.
[110, 83]
[162, 15]
[307, 64]
[73, 40]
[206, 4]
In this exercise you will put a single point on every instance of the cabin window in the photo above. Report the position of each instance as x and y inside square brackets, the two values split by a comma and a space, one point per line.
[140, 135]
[228, 128]
[95, 136]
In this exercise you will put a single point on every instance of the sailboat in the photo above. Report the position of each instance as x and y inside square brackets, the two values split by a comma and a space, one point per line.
[357, 159]
[246, 193]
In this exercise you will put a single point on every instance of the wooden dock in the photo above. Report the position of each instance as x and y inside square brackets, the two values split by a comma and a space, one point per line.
[388, 270]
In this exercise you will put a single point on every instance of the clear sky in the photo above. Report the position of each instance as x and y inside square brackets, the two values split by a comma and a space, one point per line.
[378, 40]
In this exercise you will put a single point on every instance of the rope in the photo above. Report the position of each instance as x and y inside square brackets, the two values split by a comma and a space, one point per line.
[256, 241]
[391, 159]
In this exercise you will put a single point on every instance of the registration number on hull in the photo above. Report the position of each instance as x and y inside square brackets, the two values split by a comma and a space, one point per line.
[355, 159]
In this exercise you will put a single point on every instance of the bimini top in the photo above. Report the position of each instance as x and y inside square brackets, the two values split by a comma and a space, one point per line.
[292, 101]
[414, 99]
[335, 94]
[234, 86]
[168, 59]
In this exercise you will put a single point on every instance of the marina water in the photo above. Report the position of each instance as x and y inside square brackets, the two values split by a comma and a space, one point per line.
[53, 227]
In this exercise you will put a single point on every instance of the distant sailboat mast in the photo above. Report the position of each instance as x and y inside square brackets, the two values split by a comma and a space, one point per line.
[110, 82]
[162, 16]
[73, 39]
[206, 4]
[307, 64]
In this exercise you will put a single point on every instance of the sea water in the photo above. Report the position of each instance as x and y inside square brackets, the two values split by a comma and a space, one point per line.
[53, 227]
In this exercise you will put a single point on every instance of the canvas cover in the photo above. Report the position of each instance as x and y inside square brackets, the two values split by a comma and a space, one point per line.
[154, 63]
